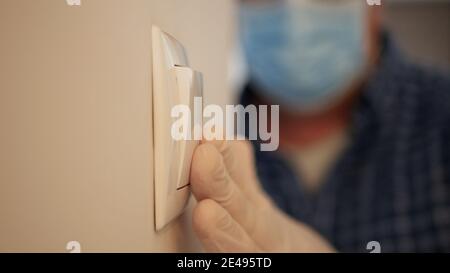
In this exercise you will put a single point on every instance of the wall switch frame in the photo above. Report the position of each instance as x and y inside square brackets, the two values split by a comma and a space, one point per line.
[174, 83]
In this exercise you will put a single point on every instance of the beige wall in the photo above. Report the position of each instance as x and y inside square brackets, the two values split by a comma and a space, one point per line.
[75, 119]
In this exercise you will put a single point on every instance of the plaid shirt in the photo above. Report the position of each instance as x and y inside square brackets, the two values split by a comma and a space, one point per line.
[392, 185]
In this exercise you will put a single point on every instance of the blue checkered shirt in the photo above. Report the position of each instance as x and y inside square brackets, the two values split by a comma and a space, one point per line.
[392, 185]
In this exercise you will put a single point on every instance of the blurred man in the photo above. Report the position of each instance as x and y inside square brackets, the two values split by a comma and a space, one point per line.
[364, 140]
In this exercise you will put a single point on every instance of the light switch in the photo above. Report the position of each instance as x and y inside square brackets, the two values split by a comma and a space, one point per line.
[174, 83]
[189, 85]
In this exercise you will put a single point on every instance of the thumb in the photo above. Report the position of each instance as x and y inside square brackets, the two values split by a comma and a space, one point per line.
[210, 180]
[240, 165]
[218, 231]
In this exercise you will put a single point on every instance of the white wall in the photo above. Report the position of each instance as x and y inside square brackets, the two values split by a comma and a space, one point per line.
[75, 119]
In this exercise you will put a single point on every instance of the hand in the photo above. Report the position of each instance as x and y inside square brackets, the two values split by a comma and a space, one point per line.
[233, 213]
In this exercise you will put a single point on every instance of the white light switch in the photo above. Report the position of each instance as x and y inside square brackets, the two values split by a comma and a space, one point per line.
[174, 83]
[189, 85]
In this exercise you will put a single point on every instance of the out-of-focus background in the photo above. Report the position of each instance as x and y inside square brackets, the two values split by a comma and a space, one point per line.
[421, 28]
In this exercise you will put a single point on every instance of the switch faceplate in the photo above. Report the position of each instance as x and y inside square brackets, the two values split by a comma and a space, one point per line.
[174, 83]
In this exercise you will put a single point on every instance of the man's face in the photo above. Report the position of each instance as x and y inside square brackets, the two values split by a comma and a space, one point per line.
[372, 26]
[309, 54]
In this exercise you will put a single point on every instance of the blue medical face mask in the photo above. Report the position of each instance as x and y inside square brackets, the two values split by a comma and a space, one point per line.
[303, 56]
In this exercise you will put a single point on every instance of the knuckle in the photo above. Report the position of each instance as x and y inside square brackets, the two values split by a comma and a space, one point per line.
[203, 215]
